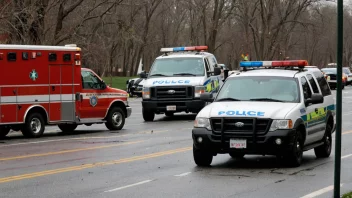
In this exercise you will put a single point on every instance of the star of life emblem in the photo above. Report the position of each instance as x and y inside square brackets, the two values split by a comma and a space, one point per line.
[33, 75]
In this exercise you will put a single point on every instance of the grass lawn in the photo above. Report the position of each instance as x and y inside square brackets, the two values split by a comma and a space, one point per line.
[348, 195]
[118, 82]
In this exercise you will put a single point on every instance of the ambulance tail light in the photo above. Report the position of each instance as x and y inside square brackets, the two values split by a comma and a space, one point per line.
[287, 63]
[180, 49]
[77, 59]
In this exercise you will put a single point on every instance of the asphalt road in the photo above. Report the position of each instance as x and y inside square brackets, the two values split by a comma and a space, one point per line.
[155, 160]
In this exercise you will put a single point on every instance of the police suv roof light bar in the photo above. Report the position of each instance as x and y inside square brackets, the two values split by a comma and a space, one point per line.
[183, 49]
[274, 64]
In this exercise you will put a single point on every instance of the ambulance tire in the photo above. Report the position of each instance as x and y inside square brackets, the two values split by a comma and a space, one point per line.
[202, 158]
[115, 119]
[148, 116]
[4, 131]
[38, 123]
[324, 150]
[67, 128]
[294, 157]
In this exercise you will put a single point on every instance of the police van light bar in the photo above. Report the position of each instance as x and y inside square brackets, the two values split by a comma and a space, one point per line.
[178, 49]
[290, 63]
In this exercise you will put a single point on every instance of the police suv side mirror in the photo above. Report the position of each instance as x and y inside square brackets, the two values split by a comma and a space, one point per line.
[207, 97]
[217, 71]
[315, 99]
[143, 75]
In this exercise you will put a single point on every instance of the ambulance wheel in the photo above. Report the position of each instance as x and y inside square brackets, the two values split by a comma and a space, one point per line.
[148, 116]
[34, 126]
[202, 158]
[115, 119]
[4, 131]
[67, 128]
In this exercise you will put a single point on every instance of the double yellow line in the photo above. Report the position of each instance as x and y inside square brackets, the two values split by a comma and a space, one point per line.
[85, 166]
[67, 151]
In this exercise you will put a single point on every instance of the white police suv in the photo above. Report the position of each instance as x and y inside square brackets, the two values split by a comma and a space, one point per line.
[176, 80]
[270, 108]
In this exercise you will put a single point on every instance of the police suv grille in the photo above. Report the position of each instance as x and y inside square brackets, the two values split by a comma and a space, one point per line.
[332, 76]
[180, 92]
[232, 125]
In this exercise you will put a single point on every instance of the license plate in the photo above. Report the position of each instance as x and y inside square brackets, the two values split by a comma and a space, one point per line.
[171, 108]
[238, 143]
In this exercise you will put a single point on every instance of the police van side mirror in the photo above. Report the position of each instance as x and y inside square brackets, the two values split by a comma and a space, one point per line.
[207, 97]
[217, 71]
[315, 99]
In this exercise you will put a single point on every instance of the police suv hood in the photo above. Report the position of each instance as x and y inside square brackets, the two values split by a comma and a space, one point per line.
[172, 81]
[273, 110]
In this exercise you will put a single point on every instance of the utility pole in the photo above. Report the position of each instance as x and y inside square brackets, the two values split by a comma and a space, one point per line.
[337, 172]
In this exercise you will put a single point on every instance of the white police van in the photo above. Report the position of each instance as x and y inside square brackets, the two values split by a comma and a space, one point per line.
[270, 108]
[176, 80]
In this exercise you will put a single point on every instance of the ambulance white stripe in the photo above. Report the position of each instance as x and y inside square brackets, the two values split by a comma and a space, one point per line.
[37, 98]
[39, 85]
[40, 47]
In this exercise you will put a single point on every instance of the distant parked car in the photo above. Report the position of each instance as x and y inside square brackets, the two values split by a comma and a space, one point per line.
[331, 76]
[348, 73]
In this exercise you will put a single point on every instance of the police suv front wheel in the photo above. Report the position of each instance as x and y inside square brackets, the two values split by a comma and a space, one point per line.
[294, 157]
[202, 158]
[115, 119]
[324, 150]
[34, 126]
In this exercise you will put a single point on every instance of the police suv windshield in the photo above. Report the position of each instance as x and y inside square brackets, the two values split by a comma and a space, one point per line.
[263, 88]
[178, 67]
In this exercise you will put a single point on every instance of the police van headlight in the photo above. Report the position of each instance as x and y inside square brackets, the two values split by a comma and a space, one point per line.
[198, 90]
[281, 124]
[202, 123]
[146, 93]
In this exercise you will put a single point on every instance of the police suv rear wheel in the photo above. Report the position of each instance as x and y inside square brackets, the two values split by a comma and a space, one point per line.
[148, 116]
[294, 158]
[202, 158]
[115, 119]
[324, 150]
[4, 131]
[34, 126]
[67, 128]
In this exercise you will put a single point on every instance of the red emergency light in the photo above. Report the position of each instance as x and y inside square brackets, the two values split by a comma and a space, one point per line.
[290, 63]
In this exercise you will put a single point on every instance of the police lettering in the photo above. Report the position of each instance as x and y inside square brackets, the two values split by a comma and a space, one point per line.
[160, 82]
[241, 113]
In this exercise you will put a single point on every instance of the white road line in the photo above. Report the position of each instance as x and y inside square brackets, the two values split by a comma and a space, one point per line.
[183, 174]
[320, 192]
[346, 156]
[128, 186]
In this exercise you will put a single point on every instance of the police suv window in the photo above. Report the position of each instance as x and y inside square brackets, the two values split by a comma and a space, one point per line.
[324, 87]
[306, 89]
[206, 64]
[313, 83]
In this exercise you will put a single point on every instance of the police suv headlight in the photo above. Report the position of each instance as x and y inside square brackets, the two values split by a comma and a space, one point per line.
[281, 124]
[198, 90]
[202, 123]
[146, 93]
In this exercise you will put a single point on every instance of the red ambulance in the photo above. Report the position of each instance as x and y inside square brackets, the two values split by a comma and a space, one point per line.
[45, 85]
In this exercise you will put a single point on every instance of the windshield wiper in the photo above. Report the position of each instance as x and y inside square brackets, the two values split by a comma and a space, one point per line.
[184, 74]
[158, 75]
[228, 99]
[266, 99]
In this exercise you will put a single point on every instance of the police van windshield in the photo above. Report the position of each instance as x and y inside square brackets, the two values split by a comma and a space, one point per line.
[255, 88]
[178, 67]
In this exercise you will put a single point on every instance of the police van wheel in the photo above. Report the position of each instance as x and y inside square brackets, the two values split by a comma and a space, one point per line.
[202, 158]
[4, 131]
[294, 158]
[115, 119]
[148, 116]
[67, 128]
[324, 150]
[34, 126]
